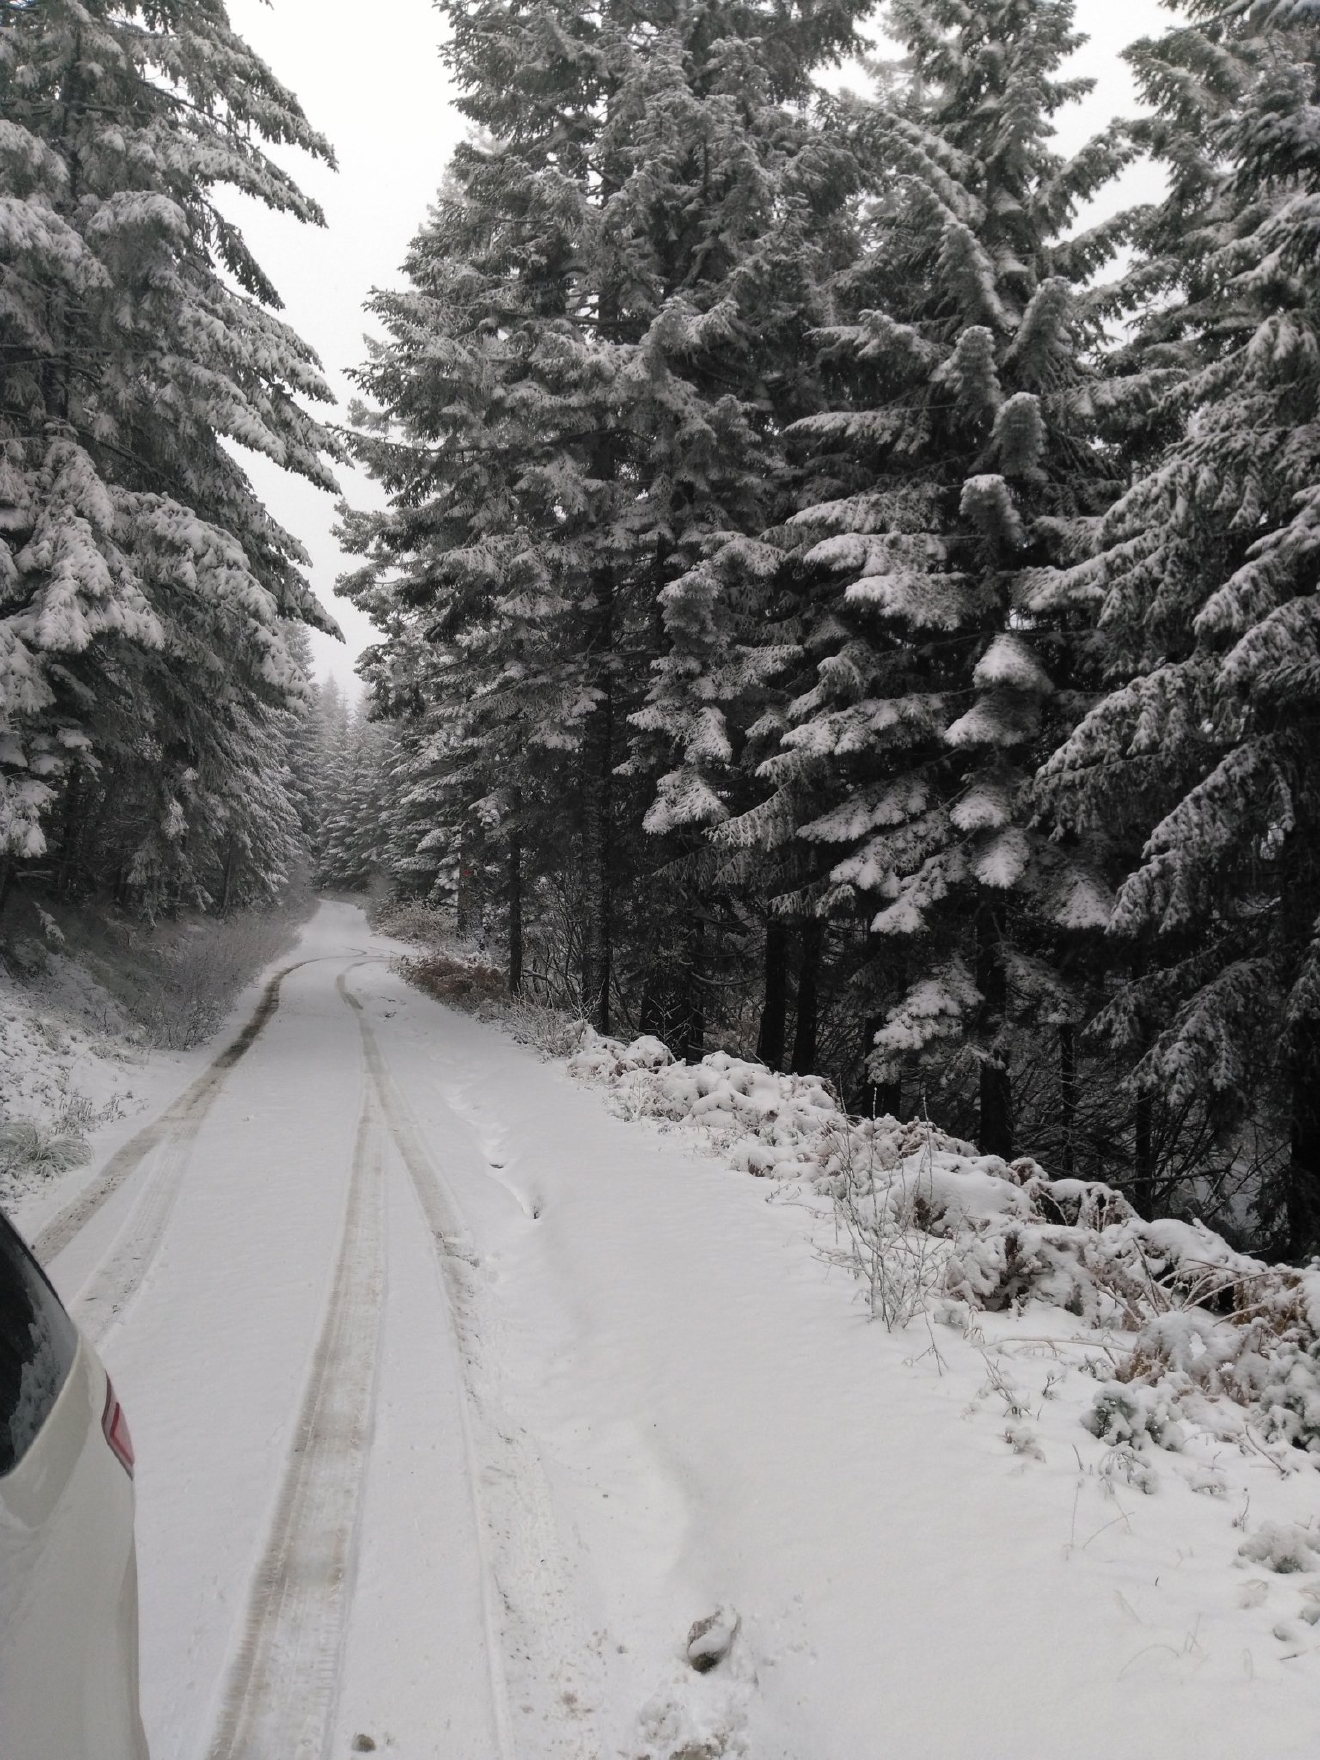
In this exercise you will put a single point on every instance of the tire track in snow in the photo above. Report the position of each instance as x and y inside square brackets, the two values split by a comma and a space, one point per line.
[176, 1128]
[280, 1697]
[524, 1590]
[103, 1300]
[445, 1227]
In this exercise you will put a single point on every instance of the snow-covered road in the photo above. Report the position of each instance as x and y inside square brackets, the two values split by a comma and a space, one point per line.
[457, 1400]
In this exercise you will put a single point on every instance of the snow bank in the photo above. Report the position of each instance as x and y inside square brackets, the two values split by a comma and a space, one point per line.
[69, 1063]
[786, 1127]
[96, 1011]
[1206, 1335]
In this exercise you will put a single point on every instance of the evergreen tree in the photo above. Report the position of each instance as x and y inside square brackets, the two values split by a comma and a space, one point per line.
[953, 465]
[1202, 755]
[354, 839]
[320, 762]
[304, 760]
[145, 592]
[574, 399]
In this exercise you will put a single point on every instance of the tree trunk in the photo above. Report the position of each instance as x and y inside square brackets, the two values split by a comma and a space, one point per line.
[995, 1133]
[808, 1000]
[465, 898]
[1143, 1160]
[227, 882]
[597, 819]
[71, 838]
[1302, 1198]
[1068, 1094]
[515, 913]
[694, 1010]
[1143, 1124]
[597, 805]
[652, 1018]
[877, 1099]
[774, 1008]
[1299, 924]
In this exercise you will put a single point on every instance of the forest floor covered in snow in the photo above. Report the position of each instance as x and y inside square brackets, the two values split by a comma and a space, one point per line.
[515, 1369]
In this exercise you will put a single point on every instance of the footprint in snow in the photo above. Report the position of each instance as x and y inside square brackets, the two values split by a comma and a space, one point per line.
[711, 1639]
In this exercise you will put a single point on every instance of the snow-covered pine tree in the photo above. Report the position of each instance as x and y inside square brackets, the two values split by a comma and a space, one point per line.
[1204, 751]
[318, 758]
[419, 847]
[731, 620]
[143, 587]
[354, 841]
[574, 380]
[951, 471]
[306, 770]
[479, 377]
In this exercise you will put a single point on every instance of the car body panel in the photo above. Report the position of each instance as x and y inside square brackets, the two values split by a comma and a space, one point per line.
[68, 1587]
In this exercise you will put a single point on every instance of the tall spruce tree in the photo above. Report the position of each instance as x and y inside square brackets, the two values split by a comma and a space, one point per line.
[318, 761]
[1202, 757]
[952, 467]
[573, 400]
[353, 848]
[144, 589]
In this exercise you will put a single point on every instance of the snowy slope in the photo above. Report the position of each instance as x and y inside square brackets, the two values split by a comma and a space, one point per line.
[72, 1066]
[459, 1399]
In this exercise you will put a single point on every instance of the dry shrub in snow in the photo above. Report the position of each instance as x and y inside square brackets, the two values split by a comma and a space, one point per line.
[465, 982]
[457, 974]
[30, 1150]
[188, 975]
[1205, 1334]
[540, 1024]
[453, 980]
[882, 1215]
[411, 920]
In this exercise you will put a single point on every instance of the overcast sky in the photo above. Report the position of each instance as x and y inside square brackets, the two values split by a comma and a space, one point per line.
[377, 88]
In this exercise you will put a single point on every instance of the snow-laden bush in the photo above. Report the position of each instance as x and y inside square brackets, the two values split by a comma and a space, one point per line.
[413, 920]
[1284, 1547]
[1129, 1412]
[28, 1148]
[787, 1127]
[882, 1215]
[1210, 1334]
